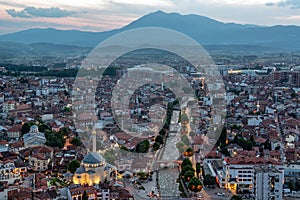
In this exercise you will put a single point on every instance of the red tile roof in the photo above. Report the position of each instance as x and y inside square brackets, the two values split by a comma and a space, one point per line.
[245, 160]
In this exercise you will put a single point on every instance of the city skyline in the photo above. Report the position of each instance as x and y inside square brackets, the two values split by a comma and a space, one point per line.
[153, 99]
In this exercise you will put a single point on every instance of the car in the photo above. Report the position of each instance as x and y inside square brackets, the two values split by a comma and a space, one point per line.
[221, 194]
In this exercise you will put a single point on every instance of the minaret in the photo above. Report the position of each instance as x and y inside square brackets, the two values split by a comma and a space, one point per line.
[258, 106]
[94, 141]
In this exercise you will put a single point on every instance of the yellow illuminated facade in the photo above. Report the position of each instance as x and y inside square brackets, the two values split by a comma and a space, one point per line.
[93, 168]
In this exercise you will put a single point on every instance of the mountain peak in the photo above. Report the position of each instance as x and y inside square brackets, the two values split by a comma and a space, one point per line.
[158, 12]
[202, 29]
[174, 21]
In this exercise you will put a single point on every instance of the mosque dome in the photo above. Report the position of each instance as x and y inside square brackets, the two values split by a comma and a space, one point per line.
[93, 159]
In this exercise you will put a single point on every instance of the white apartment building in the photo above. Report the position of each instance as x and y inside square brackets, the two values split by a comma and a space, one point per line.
[268, 183]
[240, 172]
[8, 106]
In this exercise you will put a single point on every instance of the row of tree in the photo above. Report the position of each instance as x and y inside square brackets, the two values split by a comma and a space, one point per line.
[143, 146]
[188, 174]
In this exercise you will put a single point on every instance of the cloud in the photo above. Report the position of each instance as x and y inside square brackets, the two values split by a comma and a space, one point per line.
[294, 4]
[32, 12]
[270, 4]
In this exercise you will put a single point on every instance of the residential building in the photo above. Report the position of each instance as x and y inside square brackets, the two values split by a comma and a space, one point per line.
[240, 171]
[268, 184]
[41, 158]
[14, 132]
[8, 106]
[291, 173]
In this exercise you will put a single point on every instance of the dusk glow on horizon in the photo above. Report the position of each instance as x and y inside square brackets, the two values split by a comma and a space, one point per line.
[105, 15]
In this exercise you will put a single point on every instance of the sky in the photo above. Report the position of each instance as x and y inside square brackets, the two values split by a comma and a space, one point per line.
[101, 15]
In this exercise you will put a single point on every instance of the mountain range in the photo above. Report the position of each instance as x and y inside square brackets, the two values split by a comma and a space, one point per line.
[208, 32]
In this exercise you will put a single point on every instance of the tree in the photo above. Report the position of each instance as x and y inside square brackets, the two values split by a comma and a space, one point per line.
[186, 140]
[67, 109]
[186, 169]
[267, 145]
[43, 128]
[189, 152]
[195, 185]
[297, 185]
[236, 197]
[184, 118]
[156, 146]
[64, 131]
[169, 113]
[25, 128]
[159, 139]
[124, 148]
[292, 185]
[179, 117]
[198, 168]
[162, 132]
[76, 141]
[109, 156]
[225, 152]
[209, 180]
[73, 165]
[293, 94]
[252, 140]
[223, 137]
[192, 134]
[142, 175]
[180, 146]
[142, 147]
[235, 126]
[85, 196]
[186, 162]
[246, 145]
[54, 139]
[189, 175]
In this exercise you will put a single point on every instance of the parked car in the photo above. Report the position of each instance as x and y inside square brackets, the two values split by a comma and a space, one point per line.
[221, 194]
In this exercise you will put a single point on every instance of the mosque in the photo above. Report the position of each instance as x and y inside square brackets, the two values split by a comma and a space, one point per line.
[93, 168]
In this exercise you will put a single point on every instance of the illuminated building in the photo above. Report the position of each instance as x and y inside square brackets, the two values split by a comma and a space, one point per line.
[268, 183]
[93, 168]
[240, 171]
